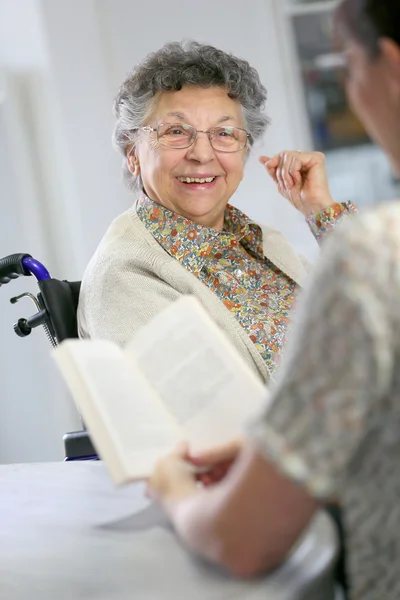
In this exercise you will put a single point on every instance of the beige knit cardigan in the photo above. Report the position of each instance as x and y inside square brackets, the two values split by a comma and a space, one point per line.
[130, 279]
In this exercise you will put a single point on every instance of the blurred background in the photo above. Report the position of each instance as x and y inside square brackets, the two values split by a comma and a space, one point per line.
[61, 63]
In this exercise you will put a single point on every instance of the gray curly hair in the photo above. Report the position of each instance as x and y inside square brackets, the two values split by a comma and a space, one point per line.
[177, 65]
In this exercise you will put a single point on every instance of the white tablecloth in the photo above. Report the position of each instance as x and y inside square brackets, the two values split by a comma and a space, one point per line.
[67, 533]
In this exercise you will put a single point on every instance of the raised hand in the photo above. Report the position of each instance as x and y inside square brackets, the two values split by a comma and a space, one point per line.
[301, 178]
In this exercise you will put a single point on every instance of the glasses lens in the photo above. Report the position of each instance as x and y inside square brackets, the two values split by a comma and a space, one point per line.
[176, 135]
[228, 139]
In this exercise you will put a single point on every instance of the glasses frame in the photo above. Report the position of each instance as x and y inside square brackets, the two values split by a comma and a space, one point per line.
[150, 129]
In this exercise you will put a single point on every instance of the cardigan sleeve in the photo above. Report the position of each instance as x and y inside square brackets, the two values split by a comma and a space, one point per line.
[118, 297]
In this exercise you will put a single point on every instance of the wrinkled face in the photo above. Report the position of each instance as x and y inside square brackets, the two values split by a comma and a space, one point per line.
[373, 90]
[162, 168]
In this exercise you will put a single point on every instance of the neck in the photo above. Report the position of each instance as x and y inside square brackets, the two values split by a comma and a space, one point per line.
[213, 221]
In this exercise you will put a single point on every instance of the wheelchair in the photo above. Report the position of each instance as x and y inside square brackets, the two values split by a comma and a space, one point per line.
[56, 305]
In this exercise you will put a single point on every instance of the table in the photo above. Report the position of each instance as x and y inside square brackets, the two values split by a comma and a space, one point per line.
[67, 533]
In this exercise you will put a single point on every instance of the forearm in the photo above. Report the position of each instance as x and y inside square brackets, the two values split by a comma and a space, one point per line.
[242, 523]
[218, 522]
[199, 522]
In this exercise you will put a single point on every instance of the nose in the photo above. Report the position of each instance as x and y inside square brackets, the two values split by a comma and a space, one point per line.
[201, 150]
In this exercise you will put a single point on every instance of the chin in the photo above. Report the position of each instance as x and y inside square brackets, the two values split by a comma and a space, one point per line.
[203, 205]
[204, 213]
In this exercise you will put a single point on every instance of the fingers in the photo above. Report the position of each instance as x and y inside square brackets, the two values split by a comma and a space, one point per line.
[179, 470]
[215, 474]
[271, 165]
[181, 450]
[280, 174]
[171, 463]
[219, 454]
[291, 166]
[172, 476]
[294, 169]
[301, 178]
[284, 169]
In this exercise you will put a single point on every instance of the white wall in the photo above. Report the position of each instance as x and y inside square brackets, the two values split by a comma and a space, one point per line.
[34, 408]
[71, 57]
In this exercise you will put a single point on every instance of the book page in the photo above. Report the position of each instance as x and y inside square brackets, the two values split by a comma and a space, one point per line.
[128, 424]
[198, 374]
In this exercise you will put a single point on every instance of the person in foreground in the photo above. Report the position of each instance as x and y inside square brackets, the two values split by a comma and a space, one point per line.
[187, 118]
[331, 429]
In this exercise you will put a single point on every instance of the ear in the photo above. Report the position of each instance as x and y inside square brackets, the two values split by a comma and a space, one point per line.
[133, 162]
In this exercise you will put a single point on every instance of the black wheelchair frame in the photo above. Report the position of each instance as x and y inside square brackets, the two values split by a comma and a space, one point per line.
[56, 304]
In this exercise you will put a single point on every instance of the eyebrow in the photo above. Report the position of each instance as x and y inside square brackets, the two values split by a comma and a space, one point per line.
[182, 117]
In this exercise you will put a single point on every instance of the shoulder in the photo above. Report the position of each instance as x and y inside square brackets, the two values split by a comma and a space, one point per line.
[123, 285]
[125, 267]
[126, 242]
[125, 231]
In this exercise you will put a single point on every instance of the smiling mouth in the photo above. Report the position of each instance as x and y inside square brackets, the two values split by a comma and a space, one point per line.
[196, 179]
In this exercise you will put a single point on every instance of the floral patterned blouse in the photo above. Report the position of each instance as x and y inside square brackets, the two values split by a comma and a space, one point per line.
[333, 417]
[231, 263]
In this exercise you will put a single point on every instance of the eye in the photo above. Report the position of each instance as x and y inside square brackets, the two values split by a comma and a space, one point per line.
[225, 132]
[175, 130]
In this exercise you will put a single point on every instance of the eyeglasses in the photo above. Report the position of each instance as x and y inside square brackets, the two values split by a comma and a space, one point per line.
[182, 135]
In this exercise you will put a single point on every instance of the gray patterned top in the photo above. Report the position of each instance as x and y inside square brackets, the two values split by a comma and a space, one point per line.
[333, 423]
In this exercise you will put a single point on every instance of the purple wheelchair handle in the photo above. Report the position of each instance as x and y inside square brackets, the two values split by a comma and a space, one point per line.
[34, 267]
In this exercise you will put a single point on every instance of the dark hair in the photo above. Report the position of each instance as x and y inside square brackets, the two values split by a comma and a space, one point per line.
[369, 20]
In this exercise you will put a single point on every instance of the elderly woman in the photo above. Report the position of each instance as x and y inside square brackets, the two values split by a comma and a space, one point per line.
[186, 120]
[333, 424]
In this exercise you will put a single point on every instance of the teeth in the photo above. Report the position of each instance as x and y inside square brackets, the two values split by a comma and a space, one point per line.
[196, 179]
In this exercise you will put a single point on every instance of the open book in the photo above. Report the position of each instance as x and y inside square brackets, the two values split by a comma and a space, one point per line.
[178, 379]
